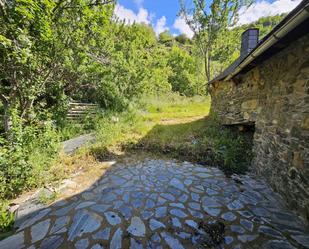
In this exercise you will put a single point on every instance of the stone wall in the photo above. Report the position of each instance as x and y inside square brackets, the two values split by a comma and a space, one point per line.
[274, 96]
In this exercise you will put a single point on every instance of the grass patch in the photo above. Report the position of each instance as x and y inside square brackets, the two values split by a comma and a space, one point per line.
[6, 220]
[158, 109]
[117, 131]
[47, 198]
[203, 141]
[173, 125]
[176, 126]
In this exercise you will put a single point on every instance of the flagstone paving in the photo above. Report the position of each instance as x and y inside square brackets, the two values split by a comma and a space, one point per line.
[161, 204]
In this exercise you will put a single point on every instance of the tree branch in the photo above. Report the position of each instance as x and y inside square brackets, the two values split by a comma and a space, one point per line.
[101, 60]
[4, 99]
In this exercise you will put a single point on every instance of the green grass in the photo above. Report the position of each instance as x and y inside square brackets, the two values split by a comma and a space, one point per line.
[175, 126]
[174, 135]
[174, 107]
[47, 199]
[131, 126]
[6, 219]
[172, 125]
[203, 141]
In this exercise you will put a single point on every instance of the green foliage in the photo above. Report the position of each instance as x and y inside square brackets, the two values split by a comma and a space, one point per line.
[74, 49]
[44, 45]
[231, 149]
[84, 125]
[47, 199]
[182, 39]
[183, 78]
[208, 20]
[25, 155]
[166, 37]
[54, 51]
[6, 218]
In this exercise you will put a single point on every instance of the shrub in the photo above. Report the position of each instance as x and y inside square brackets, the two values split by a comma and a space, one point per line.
[6, 218]
[231, 149]
[25, 155]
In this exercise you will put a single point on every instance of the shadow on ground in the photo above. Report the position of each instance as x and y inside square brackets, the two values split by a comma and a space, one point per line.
[202, 141]
[181, 140]
[144, 201]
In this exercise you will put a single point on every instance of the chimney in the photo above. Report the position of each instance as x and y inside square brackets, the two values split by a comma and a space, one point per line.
[249, 40]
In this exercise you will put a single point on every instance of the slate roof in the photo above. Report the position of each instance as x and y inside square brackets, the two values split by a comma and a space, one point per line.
[298, 31]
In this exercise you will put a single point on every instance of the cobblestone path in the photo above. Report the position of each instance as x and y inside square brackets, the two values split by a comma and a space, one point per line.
[161, 204]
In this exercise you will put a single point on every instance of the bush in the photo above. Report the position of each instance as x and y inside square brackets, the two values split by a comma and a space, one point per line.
[6, 218]
[25, 155]
[84, 125]
[201, 140]
[231, 149]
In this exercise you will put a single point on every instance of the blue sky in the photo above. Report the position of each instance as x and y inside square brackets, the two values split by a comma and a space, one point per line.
[157, 9]
[162, 14]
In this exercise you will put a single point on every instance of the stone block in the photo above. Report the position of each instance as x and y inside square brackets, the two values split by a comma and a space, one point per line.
[298, 160]
[249, 104]
[274, 94]
[305, 123]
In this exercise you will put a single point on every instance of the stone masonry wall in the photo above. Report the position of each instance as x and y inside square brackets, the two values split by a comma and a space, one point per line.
[275, 97]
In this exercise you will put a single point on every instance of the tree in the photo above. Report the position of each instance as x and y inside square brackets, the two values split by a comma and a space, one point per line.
[183, 78]
[208, 20]
[40, 42]
[165, 37]
[182, 39]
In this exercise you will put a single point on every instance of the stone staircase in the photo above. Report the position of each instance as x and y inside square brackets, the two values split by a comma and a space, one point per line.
[78, 110]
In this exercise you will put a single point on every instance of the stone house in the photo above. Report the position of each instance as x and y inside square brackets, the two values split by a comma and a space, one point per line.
[267, 89]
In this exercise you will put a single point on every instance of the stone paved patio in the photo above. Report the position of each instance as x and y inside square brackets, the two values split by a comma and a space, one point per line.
[160, 204]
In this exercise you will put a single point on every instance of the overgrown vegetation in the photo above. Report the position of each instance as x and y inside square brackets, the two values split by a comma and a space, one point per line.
[199, 139]
[6, 219]
[47, 198]
[25, 155]
[175, 126]
[150, 90]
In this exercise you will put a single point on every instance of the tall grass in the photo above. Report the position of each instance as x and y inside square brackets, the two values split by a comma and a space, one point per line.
[169, 124]
[174, 106]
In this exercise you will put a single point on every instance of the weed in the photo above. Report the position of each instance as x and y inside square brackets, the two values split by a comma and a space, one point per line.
[172, 125]
[46, 199]
[6, 218]
[177, 126]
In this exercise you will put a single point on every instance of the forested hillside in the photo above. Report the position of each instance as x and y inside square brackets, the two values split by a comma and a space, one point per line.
[52, 52]
[228, 47]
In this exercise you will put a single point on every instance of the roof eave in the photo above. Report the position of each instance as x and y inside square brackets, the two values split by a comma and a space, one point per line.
[290, 22]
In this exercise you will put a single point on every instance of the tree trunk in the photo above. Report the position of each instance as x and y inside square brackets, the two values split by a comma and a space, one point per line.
[206, 67]
[6, 118]
[209, 68]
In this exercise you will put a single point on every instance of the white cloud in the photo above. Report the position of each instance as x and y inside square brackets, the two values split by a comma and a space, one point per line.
[142, 16]
[161, 25]
[130, 16]
[264, 8]
[181, 25]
